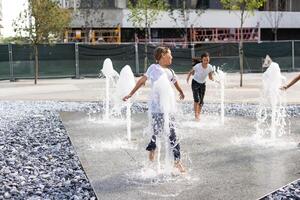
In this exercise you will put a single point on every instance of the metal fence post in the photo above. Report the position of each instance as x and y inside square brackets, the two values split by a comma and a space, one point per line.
[11, 64]
[293, 55]
[137, 63]
[77, 61]
[193, 50]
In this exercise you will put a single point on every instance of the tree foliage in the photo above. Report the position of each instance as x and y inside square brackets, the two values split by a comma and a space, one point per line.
[245, 7]
[249, 5]
[275, 16]
[143, 13]
[13, 40]
[43, 21]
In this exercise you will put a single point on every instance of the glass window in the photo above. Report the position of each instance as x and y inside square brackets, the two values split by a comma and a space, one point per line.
[294, 5]
[133, 2]
[97, 4]
[202, 4]
[175, 3]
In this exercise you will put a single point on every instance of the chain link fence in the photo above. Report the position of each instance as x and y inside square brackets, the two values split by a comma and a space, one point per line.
[83, 60]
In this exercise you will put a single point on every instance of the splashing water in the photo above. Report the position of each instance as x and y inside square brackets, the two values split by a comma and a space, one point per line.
[271, 115]
[110, 75]
[220, 77]
[167, 103]
[125, 84]
[114, 144]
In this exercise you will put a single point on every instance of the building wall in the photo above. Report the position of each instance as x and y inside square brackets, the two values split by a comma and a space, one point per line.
[1, 26]
[101, 14]
[222, 19]
[1, 10]
[282, 5]
[103, 4]
[70, 3]
[95, 16]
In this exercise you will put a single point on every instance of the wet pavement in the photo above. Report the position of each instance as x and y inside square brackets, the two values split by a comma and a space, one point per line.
[222, 161]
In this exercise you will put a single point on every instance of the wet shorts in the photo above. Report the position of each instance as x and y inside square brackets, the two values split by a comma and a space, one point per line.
[198, 91]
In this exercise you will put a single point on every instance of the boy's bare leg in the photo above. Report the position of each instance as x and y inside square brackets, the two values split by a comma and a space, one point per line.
[179, 166]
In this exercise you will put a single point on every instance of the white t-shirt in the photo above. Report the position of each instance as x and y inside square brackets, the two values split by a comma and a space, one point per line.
[155, 71]
[153, 74]
[201, 73]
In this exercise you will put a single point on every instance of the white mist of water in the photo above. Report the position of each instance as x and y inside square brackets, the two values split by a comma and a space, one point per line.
[125, 84]
[110, 75]
[220, 77]
[111, 145]
[167, 104]
[271, 116]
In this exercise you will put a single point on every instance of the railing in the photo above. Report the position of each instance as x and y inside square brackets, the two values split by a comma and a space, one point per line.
[80, 60]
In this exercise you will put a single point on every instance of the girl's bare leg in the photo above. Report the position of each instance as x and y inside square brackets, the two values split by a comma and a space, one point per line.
[179, 166]
[196, 109]
[151, 155]
[199, 110]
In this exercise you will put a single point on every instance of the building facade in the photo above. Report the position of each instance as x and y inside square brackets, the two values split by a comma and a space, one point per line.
[72, 4]
[203, 21]
[1, 17]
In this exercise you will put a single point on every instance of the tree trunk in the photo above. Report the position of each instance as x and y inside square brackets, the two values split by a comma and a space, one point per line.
[146, 58]
[241, 49]
[149, 33]
[241, 58]
[36, 62]
[146, 42]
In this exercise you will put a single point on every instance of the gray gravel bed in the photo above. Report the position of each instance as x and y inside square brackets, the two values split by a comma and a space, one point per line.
[288, 192]
[37, 159]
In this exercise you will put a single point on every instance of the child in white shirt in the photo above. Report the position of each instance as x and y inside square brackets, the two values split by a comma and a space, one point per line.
[163, 58]
[201, 71]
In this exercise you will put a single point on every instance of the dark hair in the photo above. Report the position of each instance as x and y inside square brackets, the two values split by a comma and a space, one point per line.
[205, 54]
[159, 51]
[197, 60]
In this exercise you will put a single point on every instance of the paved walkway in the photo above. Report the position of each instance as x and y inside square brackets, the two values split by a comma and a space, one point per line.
[93, 89]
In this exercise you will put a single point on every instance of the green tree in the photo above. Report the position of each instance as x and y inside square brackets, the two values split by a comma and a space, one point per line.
[13, 40]
[275, 16]
[143, 13]
[43, 21]
[245, 7]
[182, 12]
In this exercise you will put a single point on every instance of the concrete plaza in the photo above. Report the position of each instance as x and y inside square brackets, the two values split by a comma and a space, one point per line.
[222, 161]
[93, 89]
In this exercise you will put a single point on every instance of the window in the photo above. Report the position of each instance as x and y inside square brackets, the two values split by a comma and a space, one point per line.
[133, 2]
[175, 3]
[202, 4]
[97, 4]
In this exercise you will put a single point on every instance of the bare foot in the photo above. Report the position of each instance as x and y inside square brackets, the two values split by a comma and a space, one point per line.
[179, 166]
[151, 155]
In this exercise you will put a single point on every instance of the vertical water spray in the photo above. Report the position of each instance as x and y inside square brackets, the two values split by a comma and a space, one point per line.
[109, 74]
[162, 87]
[220, 77]
[125, 84]
[106, 116]
[271, 113]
